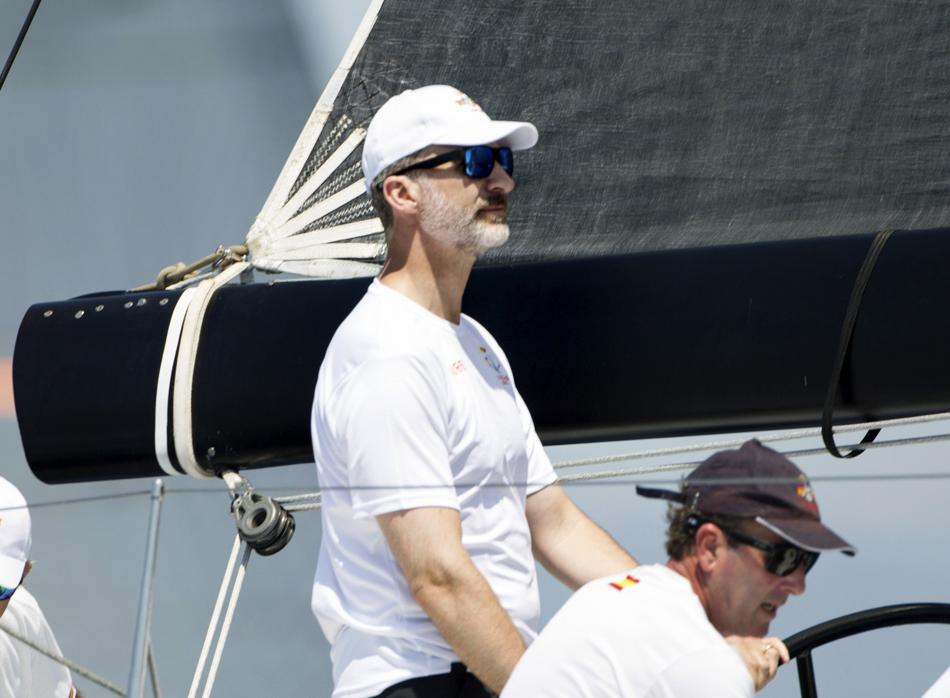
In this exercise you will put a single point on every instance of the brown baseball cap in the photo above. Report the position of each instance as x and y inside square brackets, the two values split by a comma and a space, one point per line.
[759, 483]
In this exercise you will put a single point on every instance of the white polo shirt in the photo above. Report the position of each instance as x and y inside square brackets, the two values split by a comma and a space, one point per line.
[641, 634]
[414, 411]
[24, 672]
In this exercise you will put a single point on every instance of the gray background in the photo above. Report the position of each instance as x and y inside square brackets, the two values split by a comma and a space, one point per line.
[135, 134]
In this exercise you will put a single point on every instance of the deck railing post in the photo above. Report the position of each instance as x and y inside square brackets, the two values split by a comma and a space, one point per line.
[140, 648]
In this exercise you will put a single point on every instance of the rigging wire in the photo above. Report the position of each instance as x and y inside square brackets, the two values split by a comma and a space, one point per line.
[798, 453]
[19, 42]
[310, 497]
[81, 671]
[766, 438]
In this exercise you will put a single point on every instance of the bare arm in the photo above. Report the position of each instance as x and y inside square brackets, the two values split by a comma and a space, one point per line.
[427, 544]
[569, 545]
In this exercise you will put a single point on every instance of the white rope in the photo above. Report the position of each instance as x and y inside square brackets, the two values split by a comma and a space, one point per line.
[172, 337]
[185, 369]
[648, 470]
[301, 502]
[72, 666]
[226, 625]
[313, 500]
[732, 443]
[215, 615]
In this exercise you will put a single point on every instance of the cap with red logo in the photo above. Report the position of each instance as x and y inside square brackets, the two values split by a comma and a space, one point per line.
[757, 482]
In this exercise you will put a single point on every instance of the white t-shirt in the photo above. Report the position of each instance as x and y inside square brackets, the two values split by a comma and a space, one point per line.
[941, 689]
[414, 411]
[24, 672]
[643, 634]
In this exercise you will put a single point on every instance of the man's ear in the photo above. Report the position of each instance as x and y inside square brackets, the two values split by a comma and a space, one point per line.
[402, 194]
[27, 568]
[710, 543]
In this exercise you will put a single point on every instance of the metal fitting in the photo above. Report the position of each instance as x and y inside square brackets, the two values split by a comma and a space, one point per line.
[262, 522]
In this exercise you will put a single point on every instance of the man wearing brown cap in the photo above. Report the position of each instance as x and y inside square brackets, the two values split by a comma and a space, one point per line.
[744, 530]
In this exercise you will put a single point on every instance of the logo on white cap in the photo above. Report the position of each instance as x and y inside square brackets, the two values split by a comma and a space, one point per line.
[434, 115]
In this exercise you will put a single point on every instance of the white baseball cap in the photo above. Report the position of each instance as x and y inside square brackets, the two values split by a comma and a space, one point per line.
[434, 115]
[15, 536]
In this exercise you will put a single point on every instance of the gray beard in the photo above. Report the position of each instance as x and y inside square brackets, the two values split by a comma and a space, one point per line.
[457, 226]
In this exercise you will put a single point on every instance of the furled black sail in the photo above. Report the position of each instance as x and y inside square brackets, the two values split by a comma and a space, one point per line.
[690, 124]
[707, 184]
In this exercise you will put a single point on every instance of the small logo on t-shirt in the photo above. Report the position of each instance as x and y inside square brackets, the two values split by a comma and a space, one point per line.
[627, 581]
[495, 365]
[457, 367]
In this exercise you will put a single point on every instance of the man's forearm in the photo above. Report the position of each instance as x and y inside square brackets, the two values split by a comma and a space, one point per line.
[467, 613]
[569, 544]
[427, 544]
[587, 552]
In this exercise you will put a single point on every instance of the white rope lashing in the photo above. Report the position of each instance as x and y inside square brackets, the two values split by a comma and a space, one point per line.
[172, 339]
[185, 369]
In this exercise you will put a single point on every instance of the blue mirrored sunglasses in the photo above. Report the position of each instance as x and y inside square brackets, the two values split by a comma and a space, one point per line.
[6, 593]
[478, 161]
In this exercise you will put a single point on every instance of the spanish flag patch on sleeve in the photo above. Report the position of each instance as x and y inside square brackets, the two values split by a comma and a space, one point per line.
[627, 581]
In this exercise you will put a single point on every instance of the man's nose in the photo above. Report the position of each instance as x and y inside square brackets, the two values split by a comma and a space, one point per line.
[499, 180]
[795, 582]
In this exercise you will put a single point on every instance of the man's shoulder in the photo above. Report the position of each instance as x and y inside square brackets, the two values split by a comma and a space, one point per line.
[24, 612]
[381, 326]
[23, 605]
[642, 577]
[645, 594]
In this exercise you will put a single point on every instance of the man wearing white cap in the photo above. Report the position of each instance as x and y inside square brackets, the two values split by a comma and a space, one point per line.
[24, 672]
[437, 494]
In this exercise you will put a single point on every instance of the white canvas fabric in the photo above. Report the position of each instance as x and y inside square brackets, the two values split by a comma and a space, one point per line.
[15, 534]
[24, 672]
[414, 411]
[434, 115]
[643, 634]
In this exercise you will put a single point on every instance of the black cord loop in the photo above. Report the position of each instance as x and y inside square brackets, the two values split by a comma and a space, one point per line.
[844, 345]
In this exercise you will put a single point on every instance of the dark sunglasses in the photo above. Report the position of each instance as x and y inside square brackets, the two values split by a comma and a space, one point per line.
[478, 161]
[782, 559]
[7, 593]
